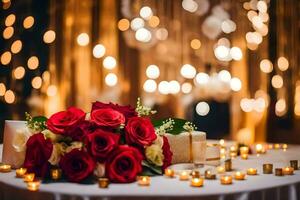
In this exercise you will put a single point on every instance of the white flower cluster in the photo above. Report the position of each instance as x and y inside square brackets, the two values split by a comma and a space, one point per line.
[166, 126]
[189, 126]
[143, 110]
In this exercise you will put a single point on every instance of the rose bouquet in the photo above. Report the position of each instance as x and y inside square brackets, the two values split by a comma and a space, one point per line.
[118, 142]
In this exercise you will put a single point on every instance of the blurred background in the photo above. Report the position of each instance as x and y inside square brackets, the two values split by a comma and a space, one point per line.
[232, 67]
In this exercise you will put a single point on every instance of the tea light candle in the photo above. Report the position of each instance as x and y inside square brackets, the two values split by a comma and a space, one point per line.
[244, 150]
[276, 146]
[21, 172]
[144, 181]
[221, 169]
[29, 177]
[197, 182]
[184, 176]
[169, 173]
[244, 156]
[288, 171]
[222, 153]
[259, 149]
[228, 165]
[103, 182]
[284, 147]
[270, 146]
[5, 168]
[267, 168]
[252, 171]
[226, 180]
[209, 175]
[294, 164]
[239, 176]
[56, 174]
[33, 185]
[222, 142]
[278, 172]
[195, 174]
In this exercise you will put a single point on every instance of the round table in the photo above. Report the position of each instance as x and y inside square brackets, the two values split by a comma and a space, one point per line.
[262, 186]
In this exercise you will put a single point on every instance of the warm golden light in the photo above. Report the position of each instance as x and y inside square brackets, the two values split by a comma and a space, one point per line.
[6, 58]
[162, 34]
[46, 76]
[146, 12]
[83, 39]
[37, 82]
[188, 71]
[99, 51]
[16, 46]
[150, 86]
[296, 109]
[280, 107]
[49, 36]
[28, 22]
[123, 24]
[8, 32]
[186, 88]
[283, 63]
[277, 81]
[153, 21]
[152, 71]
[111, 79]
[266, 66]
[6, 5]
[10, 20]
[33, 62]
[2, 89]
[109, 62]
[9, 97]
[19, 72]
[195, 44]
[52, 91]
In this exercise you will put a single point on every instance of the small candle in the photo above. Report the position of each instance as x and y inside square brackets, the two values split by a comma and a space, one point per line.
[278, 172]
[276, 146]
[270, 146]
[244, 150]
[33, 185]
[244, 156]
[21, 172]
[29, 177]
[220, 169]
[284, 147]
[184, 176]
[144, 181]
[294, 164]
[267, 168]
[222, 152]
[169, 173]
[195, 174]
[259, 148]
[209, 175]
[228, 165]
[5, 168]
[56, 174]
[288, 171]
[226, 180]
[222, 142]
[252, 171]
[197, 182]
[103, 182]
[239, 176]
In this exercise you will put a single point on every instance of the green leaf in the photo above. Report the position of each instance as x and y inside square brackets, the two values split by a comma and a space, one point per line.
[39, 119]
[177, 127]
[150, 169]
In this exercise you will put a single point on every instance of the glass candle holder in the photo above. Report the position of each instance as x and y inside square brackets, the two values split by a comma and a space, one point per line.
[195, 174]
[278, 172]
[277, 146]
[259, 148]
[244, 150]
[103, 182]
[252, 171]
[197, 182]
[169, 173]
[239, 176]
[5, 168]
[209, 175]
[288, 171]
[294, 164]
[21, 172]
[199, 153]
[221, 169]
[33, 185]
[56, 174]
[226, 180]
[228, 165]
[267, 168]
[144, 180]
[284, 147]
[184, 176]
[244, 156]
[29, 177]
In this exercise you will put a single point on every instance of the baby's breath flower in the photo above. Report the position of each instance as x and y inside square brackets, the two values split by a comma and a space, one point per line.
[189, 126]
[165, 127]
[143, 110]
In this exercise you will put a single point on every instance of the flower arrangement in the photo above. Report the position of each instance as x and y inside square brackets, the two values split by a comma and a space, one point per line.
[118, 142]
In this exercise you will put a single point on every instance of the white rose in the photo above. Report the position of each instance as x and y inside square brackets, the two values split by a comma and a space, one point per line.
[99, 170]
[57, 151]
[159, 141]
[154, 154]
[88, 116]
[74, 145]
[20, 139]
[52, 136]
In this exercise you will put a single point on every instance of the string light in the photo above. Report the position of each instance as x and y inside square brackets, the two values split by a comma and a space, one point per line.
[9, 97]
[150, 86]
[51, 90]
[16, 46]
[283, 63]
[2, 89]
[109, 62]
[28, 22]
[277, 81]
[186, 88]
[19, 72]
[99, 51]
[10, 20]
[33, 62]
[195, 44]
[188, 71]
[37, 82]
[83, 39]
[266, 66]
[123, 24]
[6, 58]
[49, 36]
[8, 32]
[111, 79]
[202, 108]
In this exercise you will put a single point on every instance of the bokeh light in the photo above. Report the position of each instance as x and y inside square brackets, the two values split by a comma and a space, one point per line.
[146, 12]
[163, 87]
[37, 82]
[188, 71]
[202, 108]
[277, 81]
[152, 72]
[83, 39]
[2, 89]
[8, 32]
[123, 24]
[5, 58]
[266, 66]
[9, 97]
[10, 20]
[143, 35]
[33, 62]
[109, 62]
[186, 88]
[137, 23]
[28, 22]
[235, 84]
[99, 51]
[111, 79]
[154, 21]
[49, 36]
[283, 63]
[202, 78]
[16, 46]
[150, 86]
[195, 44]
[19, 72]
[51, 90]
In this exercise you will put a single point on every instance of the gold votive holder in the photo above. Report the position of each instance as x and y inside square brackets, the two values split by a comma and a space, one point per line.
[294, 164]
[5, 168]
[34, 185]
[195, 174]
[288, 171]
[244, 150]
[277, 146]
[56, 174]
[221, 169]
[226, 180]
[144, 180]
[21, 172]
[244, 156]
[208, 174]
[103, 182]
[267, 168]
[239, 176]
[28, 177]
[228, 165]
[184, 176]
[251, 171]
[278, 172]
[169, 173]
[197, 182]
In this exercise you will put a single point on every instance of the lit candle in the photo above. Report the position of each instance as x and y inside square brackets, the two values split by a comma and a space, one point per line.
[197, 182]
[276, 146]
[184, 176]
[284, 147]
[278, 172]
[222, 152]
[228, 165]
[209, 175]
[244, 150]
[144, 180]
[29, 177]
[233, 151]
[103, 182]
[259, 149]
[288, 171]
[252, 171]
[220, 169]
[195, 174]
[169, 173]
[222, 142]
[270, 146]
[244, 156]
[239, 176]
[267, 168]
[5, 168]
[56, 174]
[21, 172]
[226, 180]
[294, 164]
[33, 185]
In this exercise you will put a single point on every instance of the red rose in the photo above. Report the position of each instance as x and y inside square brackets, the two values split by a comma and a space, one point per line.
[62, 121]
[139, 130]
[123, 164]
[77, 165]
[38, 152]
[167, 153]
[100, 143]
[78, 132]
[127, 111]
[107, 117]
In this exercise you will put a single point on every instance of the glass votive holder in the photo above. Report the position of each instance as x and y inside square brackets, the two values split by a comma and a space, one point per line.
[143, 180]
[268, 168]
[184, 176]
[197, 182]
[244, 156]
[259, 148]
[56, 174]
[4, 168]
[278, 172]
[228, 165]
[226, 180]
[288, 171]
[251, 171]
[103, 182]
[284, 147]
[34, 185]
[221, 169]
[239, 175]
[21, 172]
[169, 173]
[294, 164]
[244, 150]
[208, 174]
[277, 146]
[28, 177]
[195, 174]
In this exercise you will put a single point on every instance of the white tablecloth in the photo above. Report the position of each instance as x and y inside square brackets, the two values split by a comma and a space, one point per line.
[262, 186]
